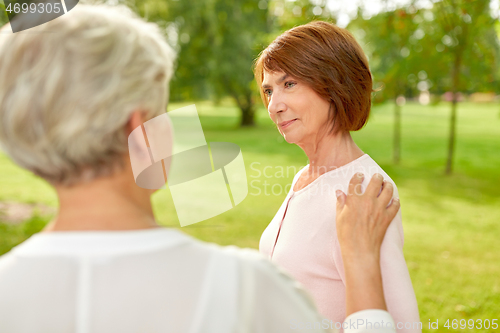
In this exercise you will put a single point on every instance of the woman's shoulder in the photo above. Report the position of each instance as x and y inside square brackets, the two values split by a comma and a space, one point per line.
[365, 165]
[368, 166]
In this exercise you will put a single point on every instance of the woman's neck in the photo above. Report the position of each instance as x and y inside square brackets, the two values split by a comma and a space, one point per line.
[111, 203]
[330, 152]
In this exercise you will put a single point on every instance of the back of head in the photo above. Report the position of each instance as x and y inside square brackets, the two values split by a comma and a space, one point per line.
[69, 86]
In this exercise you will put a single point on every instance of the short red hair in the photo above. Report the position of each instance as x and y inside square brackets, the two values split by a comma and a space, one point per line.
[331, 62]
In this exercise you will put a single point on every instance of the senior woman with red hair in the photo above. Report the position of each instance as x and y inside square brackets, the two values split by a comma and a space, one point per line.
[316, 84]
[71, 92]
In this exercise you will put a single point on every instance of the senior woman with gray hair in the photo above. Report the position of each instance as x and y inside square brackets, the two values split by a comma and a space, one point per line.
[71, 91]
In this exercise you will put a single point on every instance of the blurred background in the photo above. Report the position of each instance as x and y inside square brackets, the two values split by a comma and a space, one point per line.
[434, 128]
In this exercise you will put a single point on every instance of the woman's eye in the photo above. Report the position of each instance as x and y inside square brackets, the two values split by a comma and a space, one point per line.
[268, 92]
[290, 84]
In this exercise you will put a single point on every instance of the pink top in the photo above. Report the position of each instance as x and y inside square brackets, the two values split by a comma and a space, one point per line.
[302, 239]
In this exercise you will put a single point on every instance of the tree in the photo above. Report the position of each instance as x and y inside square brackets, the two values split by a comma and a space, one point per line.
[217, 41]
[188, 27]
[237, 32]
[465, 29]
[391, 41]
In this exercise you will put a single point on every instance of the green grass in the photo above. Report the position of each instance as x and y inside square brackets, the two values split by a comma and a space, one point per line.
[452, 223]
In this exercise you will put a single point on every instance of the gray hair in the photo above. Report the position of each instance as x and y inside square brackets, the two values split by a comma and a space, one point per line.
[69, 86]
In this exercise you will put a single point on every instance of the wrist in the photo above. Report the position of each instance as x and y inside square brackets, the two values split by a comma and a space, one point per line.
[359, 256]
[367, 265]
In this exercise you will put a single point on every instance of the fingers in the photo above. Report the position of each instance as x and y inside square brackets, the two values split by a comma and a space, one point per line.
[373, 188]
[340, 201]
[385, 195]
[355, 184]
[393, 209]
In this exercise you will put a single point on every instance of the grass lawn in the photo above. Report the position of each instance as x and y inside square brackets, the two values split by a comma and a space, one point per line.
[452, 223]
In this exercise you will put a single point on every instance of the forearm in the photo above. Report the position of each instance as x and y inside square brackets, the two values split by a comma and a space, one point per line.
[364, 288]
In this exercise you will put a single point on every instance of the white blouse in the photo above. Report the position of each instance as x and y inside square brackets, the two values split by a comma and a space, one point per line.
[151, 280]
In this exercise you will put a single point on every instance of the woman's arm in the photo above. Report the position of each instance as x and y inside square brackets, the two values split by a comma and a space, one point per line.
[362, 220]
[398, 289]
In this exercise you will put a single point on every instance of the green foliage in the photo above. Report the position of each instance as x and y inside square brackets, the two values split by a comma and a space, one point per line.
[236, 36]
[391, 40]
[463, 33]
[298, 12]
[218, 40]
[404, 43]
[217, 43]
[3, 14]
[192, 25]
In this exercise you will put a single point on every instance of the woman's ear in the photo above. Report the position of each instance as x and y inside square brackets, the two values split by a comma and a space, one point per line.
[136, 119]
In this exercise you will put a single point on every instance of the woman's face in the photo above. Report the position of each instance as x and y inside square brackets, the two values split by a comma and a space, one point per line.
[299, 112]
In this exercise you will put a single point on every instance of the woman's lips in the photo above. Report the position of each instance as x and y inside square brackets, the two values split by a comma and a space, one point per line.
[286, 124]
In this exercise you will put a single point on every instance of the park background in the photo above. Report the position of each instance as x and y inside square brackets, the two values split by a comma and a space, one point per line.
[434, 128]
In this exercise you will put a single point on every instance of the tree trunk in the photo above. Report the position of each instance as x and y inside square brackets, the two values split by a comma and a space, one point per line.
[453, 117]
[451, 139]
[397, 133]
[246, 106]
[248, 116]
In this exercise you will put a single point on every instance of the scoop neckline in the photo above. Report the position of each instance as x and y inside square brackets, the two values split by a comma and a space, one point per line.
[362, 157]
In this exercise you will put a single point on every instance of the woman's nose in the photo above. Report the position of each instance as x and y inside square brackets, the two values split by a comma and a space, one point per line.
[276, 105]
